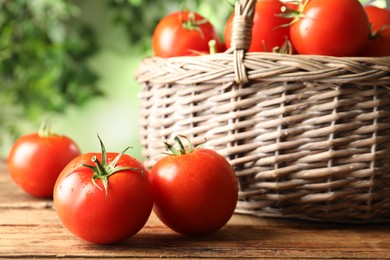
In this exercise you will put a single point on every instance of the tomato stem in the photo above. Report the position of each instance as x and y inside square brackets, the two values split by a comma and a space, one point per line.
[182, 150]
[192, 24]
[44, 129]
[103, 171]
[212, 47]
[99, 166]
[295, 15]
[286, 48]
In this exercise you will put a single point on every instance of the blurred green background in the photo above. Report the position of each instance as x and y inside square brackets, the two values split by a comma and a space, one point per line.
[73, 63]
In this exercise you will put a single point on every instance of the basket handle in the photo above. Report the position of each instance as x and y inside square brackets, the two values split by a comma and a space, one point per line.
[241, 37]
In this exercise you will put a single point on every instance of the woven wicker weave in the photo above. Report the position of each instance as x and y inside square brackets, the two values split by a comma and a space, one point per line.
[308, 136]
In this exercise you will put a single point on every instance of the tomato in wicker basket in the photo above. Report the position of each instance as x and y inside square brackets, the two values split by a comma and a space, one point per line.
[183, 34]
[269, 32]
[307, 135]
[330, 27]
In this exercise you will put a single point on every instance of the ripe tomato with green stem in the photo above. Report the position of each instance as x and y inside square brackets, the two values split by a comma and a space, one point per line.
[330, 27]
[379, 43]
[35, 160]
[269, 32]
[183, 33]
[105, 197]
[195, 190]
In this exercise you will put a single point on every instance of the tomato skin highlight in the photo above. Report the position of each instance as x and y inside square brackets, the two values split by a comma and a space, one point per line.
[171, 38]
[267, 31]
[34, 162]
[331, 27]
[195, 193]
[86, 211]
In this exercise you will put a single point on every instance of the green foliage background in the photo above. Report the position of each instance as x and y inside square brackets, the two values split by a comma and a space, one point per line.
[73, 61]
[42, 61]
[54, 57]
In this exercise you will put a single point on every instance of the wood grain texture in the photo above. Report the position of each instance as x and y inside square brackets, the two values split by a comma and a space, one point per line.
[30, 228]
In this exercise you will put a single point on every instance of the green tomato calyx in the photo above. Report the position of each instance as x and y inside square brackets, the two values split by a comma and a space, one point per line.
[192, 24]
[295, 15]
[181, 150]
[102, 170]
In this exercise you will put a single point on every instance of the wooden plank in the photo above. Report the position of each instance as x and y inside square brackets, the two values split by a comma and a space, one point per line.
[233, 241]
[30, 228]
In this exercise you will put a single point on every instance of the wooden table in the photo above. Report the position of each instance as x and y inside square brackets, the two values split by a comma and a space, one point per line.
[30, 228]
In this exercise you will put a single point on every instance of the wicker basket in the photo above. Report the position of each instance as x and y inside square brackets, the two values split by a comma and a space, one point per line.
[308, 136]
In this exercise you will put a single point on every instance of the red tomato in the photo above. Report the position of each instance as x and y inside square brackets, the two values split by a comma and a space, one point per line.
[268, 31]
[35, 161]
[195, 191]
[103, 198]
[331, 27]
[379, 42]
[182, 33]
